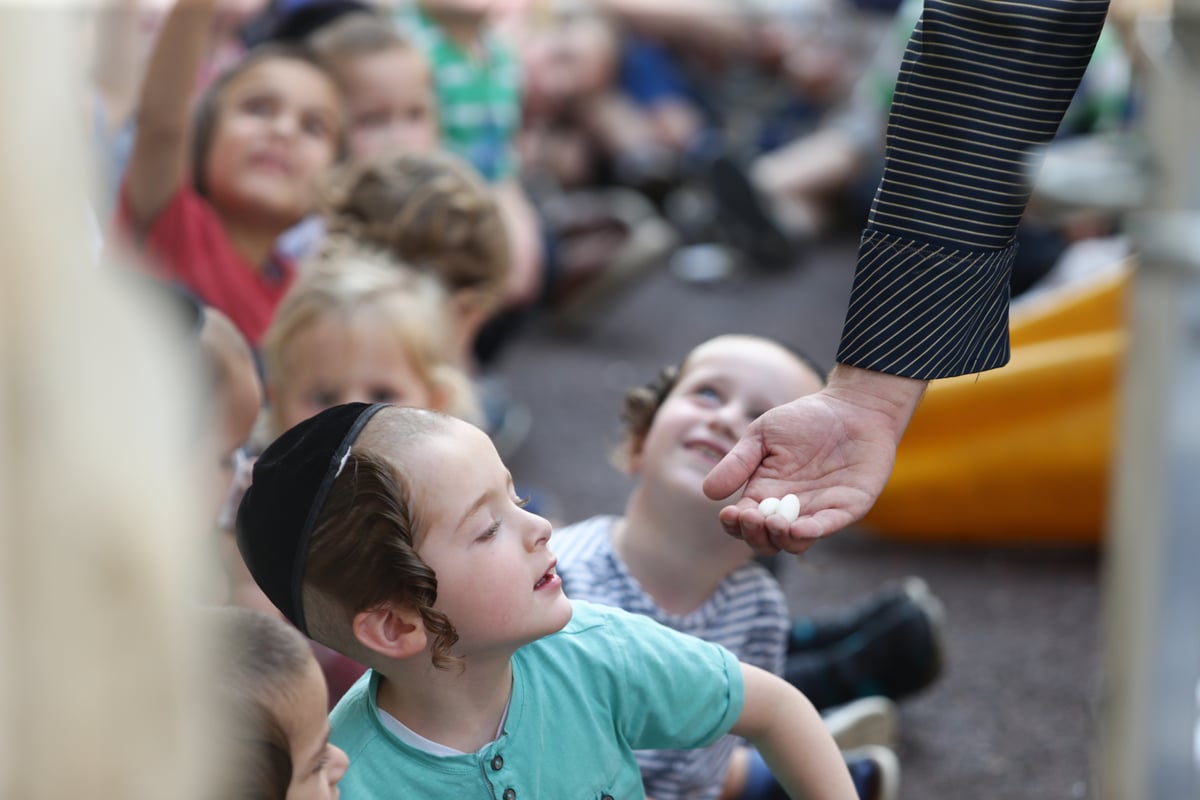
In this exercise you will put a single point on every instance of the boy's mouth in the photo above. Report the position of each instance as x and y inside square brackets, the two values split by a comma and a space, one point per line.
[549, 578]
[708, 450]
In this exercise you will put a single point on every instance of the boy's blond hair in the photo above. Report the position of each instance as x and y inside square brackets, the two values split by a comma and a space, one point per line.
[355, 34]
[432, 210]
[347, 276]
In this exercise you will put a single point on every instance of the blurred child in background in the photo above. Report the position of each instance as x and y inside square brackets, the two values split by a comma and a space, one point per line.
[386, 82]
[207, 200]
[274, 695]
[361, 327]
[433, 212]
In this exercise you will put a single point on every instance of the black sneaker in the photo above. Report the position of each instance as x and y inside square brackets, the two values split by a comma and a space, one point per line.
[745, 219]
[895, 653]
[808, 633]
[875, 771]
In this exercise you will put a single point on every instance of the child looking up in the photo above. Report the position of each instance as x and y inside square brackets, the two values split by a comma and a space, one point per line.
[431, 210]
[387, 85]
[357, 326]
[361, 326]
[208, 200]
[394, 535]
[274, 697]
[669, 558]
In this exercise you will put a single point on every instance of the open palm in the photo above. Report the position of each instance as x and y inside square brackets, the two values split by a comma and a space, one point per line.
[834, 454]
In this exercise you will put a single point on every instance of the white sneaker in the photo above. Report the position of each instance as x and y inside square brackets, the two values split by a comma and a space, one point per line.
[862, 722]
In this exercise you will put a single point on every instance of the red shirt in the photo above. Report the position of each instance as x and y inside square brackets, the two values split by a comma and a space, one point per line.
[187, 243]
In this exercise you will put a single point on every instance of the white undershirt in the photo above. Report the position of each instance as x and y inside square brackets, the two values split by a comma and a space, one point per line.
[419, 742]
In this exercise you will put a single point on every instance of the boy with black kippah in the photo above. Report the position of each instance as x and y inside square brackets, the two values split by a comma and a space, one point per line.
[415, 557]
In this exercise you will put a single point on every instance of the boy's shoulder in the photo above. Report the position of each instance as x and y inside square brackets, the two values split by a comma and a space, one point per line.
[353, 720]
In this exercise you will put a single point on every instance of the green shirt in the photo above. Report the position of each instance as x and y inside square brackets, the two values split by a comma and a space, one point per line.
[583, 700]
[478, 92]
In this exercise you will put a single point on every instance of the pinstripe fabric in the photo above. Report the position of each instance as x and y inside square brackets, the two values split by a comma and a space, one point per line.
[982, 82]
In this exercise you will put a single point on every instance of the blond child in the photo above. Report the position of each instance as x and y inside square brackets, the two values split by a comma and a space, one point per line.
[207, 200]
[410, 551]
[434, 212]
[361, 326]
[274, 697]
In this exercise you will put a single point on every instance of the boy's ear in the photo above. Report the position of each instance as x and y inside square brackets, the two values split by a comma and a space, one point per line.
[391, 630]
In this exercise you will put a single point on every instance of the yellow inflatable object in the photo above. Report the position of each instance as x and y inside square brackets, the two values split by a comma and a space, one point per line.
[1019, 454]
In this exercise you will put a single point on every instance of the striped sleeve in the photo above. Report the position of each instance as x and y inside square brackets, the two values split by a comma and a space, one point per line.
[983, 84]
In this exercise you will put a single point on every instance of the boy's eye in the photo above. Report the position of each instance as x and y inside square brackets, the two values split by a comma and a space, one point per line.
[490, 533]
[315, 126]
[386, 396]
[708, 393]
[323, 399]
[259, 106]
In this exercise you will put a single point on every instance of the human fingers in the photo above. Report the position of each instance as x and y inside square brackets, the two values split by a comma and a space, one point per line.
[732, 471]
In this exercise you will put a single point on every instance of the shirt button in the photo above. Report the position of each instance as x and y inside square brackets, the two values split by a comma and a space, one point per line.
[510, 794]
[606, 797]
[497, 763]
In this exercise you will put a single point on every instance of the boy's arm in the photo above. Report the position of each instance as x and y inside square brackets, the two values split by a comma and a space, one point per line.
[788, 732]
[159, 159]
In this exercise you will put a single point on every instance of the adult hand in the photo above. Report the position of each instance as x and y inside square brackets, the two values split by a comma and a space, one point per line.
[834, 450]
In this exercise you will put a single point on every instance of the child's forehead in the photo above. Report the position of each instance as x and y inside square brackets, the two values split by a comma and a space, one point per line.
[284, 73]
[731, 355]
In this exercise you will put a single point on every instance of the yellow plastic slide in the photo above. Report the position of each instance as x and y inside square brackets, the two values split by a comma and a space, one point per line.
[1020, 454]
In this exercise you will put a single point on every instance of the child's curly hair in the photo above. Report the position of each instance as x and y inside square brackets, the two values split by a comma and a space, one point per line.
[432, 210]
[638, 408]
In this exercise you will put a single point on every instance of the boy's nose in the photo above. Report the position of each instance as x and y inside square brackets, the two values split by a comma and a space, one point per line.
[284, 125]
[538, 534]
[339, 762]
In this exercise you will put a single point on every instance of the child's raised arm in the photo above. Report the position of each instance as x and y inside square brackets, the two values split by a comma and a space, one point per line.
[788, 732]
[159, 159]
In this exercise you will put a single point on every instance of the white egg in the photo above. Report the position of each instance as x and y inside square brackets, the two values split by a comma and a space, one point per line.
[768, 506]
[789, 507]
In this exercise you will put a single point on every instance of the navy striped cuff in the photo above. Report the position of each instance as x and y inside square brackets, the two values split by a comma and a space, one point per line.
[926, 311]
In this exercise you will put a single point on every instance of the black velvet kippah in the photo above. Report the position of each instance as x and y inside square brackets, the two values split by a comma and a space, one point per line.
[288, 488]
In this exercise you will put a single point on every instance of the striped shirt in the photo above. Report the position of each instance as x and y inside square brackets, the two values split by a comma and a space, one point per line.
[747, 614]
[983, 85]
[478, 91]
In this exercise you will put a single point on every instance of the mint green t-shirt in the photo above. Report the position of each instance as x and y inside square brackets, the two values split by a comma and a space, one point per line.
[583, 700]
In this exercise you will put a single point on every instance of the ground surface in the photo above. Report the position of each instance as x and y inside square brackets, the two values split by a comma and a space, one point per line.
[1013, 717]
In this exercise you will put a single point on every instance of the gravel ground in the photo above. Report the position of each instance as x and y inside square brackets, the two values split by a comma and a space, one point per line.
[1013, 715]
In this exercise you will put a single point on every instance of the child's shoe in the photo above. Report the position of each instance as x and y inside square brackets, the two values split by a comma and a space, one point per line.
[863, 722]
[875, 771]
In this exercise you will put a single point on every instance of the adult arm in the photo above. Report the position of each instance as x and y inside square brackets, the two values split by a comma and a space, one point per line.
[982, 86]
[158, 163]
[788, 732]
